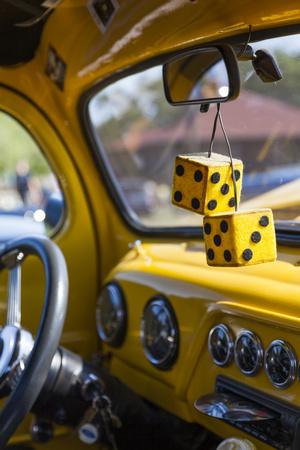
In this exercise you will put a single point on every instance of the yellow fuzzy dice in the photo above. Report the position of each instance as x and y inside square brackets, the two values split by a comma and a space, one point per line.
[240, 238]
[205, 185]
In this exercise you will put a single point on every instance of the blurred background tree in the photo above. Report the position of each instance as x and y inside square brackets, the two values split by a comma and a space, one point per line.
[16, 144]
[287, 89]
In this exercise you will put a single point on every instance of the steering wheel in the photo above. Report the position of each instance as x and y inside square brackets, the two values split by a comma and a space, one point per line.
[25, 362]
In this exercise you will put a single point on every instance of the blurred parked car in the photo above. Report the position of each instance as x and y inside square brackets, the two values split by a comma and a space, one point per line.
[257, 183]
[140, 195]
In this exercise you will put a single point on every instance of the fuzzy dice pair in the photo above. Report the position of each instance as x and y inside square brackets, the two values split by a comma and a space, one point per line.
[205, 185]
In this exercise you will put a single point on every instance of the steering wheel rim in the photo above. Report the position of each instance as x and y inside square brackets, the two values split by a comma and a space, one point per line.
[49, 331]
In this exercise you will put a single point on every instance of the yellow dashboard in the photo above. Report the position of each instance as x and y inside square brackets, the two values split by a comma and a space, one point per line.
[264, 300]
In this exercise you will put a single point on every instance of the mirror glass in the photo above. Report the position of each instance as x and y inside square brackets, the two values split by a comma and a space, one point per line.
[197, 77]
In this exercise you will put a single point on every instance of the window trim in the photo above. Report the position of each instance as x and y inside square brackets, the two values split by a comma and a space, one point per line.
[284, 234]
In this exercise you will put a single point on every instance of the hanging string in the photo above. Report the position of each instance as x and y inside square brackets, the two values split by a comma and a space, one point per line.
[212, 139]
[244, 48]
[219, 116]
[231, 159]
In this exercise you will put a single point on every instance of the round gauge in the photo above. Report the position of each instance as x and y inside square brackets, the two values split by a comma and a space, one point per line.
[248, 353]
[159, 333]
[280, 364]
[220, 345]
[111, 315]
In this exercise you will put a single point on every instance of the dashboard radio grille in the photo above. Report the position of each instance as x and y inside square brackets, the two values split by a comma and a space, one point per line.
[282, 433]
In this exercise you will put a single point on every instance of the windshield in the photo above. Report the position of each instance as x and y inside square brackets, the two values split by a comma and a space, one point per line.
[139, 135]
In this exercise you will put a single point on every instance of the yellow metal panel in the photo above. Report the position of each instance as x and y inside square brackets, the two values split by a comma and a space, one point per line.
[263, 299]
[150, 388]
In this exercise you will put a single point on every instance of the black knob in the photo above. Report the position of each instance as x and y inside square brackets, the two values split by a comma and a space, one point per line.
[42, 430]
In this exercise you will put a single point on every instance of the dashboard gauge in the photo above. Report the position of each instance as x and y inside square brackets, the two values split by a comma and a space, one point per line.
[248, 353]
[159, 333]
[220, 345]
[280, 364]
[111, 316]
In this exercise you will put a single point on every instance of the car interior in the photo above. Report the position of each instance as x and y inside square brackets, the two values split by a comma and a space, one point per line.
[149, 225]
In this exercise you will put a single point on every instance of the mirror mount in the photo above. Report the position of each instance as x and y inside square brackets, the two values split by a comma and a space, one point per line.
[266, 67]
[204, 107]
[263, 62]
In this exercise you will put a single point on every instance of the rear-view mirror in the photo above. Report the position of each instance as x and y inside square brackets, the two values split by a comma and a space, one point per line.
[205, 75]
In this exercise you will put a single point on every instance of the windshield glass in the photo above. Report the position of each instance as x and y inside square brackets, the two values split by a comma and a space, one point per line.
[139, 135]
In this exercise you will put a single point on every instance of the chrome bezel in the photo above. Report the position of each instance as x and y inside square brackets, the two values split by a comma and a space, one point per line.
[169, 359]
[230, 343]
[293, 360]
[259, 349]
[117, 338]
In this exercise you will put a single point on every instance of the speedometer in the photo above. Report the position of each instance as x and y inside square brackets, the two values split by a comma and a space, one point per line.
[160, 333]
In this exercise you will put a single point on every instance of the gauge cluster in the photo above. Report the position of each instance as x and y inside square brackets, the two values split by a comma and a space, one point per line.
[173, 338]
[159, 337]
[279, 360]
[159, 331]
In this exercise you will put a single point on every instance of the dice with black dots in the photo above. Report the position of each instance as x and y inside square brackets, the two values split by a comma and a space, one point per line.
[205, 185]
[240, 238]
